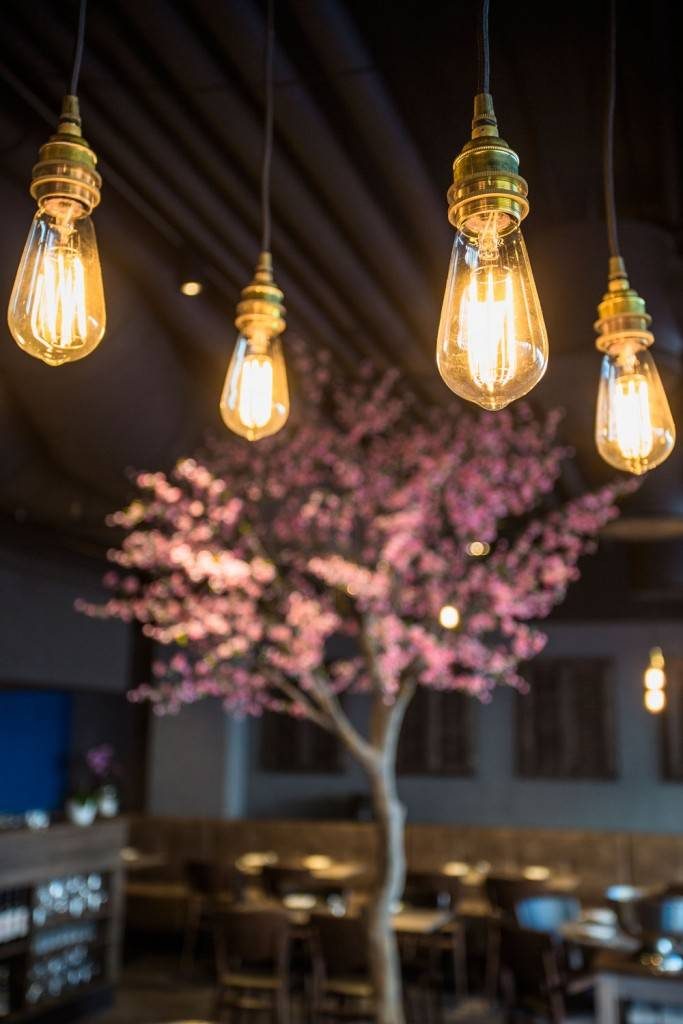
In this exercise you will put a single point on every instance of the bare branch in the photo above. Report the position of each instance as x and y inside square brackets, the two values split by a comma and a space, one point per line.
[347, 732]
[297, 696]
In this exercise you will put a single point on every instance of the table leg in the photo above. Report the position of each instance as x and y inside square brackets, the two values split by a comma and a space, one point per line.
[607, 999]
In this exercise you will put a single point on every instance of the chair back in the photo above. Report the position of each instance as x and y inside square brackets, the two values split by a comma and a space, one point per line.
[278, 880]
[204, 878]
[253, 938]
[342, 944]
[505, 891]
[661, 916]
[546, 912]
[430, 889]
[530, 965]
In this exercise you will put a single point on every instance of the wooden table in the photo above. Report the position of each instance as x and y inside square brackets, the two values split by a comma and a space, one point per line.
[418, 921]
[407, 921]
[620, 979]
[133, 859]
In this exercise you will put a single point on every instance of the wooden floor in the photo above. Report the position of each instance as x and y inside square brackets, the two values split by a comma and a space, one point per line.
[153, 992]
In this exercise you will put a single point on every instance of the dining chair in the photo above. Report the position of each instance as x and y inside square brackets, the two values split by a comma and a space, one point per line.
[253, 949]
[279, 881]
[534, 982]
[429, 889]
[342, 987]
[505, 891]
[445, 950]
[205, 881]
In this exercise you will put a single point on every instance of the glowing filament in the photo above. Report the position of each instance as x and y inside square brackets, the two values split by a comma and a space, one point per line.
[631, 425]
[255, 406]
[487, 332]
[655, 701]
[58, 304]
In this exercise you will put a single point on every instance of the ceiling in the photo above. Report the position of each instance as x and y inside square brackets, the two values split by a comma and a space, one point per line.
[371, 109]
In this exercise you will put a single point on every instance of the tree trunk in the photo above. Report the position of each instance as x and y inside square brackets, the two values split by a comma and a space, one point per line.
[382, 946]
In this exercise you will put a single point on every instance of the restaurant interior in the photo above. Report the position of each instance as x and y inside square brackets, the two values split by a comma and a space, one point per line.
[341, 543]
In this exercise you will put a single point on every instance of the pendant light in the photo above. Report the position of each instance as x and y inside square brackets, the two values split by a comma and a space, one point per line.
[634, 428]
[654, 682]
[255, 398]
[56, 310]
[492, 345]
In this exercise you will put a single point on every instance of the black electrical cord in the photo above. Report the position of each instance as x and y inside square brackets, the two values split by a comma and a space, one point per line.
[608, 153]
[268, 132]
[78, 49]
[484, 70]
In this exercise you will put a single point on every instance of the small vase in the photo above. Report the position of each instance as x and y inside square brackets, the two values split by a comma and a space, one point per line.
[81, 813]
[108, 802]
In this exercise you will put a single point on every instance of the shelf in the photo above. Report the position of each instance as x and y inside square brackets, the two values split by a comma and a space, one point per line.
[62, 919]
[18, 946]
[95, 945]
[73, 996]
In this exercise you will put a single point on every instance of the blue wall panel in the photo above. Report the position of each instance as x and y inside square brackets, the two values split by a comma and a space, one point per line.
[34, 749]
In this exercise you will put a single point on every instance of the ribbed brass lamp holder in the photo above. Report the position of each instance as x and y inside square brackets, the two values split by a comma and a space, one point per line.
[622, 312]
[66, 164]
[261, 309]
[486, 177]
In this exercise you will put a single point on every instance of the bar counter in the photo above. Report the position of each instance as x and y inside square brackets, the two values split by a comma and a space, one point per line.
[61, 916]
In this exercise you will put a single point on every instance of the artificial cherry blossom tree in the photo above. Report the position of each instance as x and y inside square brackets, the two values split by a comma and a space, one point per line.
[353, 522]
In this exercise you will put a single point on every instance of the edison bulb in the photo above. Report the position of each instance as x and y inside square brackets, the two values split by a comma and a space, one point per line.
[654, 677]
[56, 311]
[255, 398]
[655, 701]
[634, 428]
[492, 345]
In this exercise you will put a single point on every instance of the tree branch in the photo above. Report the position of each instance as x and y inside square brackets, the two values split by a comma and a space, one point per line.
[297, 696]
[342, 725]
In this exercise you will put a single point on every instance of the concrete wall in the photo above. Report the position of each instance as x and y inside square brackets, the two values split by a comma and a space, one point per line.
[44, 641]
[197, 763]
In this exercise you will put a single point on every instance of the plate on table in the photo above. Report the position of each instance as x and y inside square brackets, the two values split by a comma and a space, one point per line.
[299, 901]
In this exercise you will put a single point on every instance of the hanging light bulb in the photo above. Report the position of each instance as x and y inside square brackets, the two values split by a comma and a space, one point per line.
[56, 310]
[634, 428]
[654, 677]
[255, 398]
[492, 345]
[654, 682]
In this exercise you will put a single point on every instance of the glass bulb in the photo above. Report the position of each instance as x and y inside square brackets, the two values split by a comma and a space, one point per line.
[492, 345]
[255, 399]
[56, 311]
[634, 428]
[655, 701]
[654, 676]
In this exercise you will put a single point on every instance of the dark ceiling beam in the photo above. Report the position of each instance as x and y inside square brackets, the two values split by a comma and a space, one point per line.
[137, 148]
[375, 271]
[230, 199]
[381, 132]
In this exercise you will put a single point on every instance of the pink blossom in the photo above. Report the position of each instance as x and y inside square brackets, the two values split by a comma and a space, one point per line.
[323, 555]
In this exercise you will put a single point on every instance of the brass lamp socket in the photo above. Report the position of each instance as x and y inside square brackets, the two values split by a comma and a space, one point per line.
[486, 177]
[622, 312]
[65, 171]
[260, 310]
